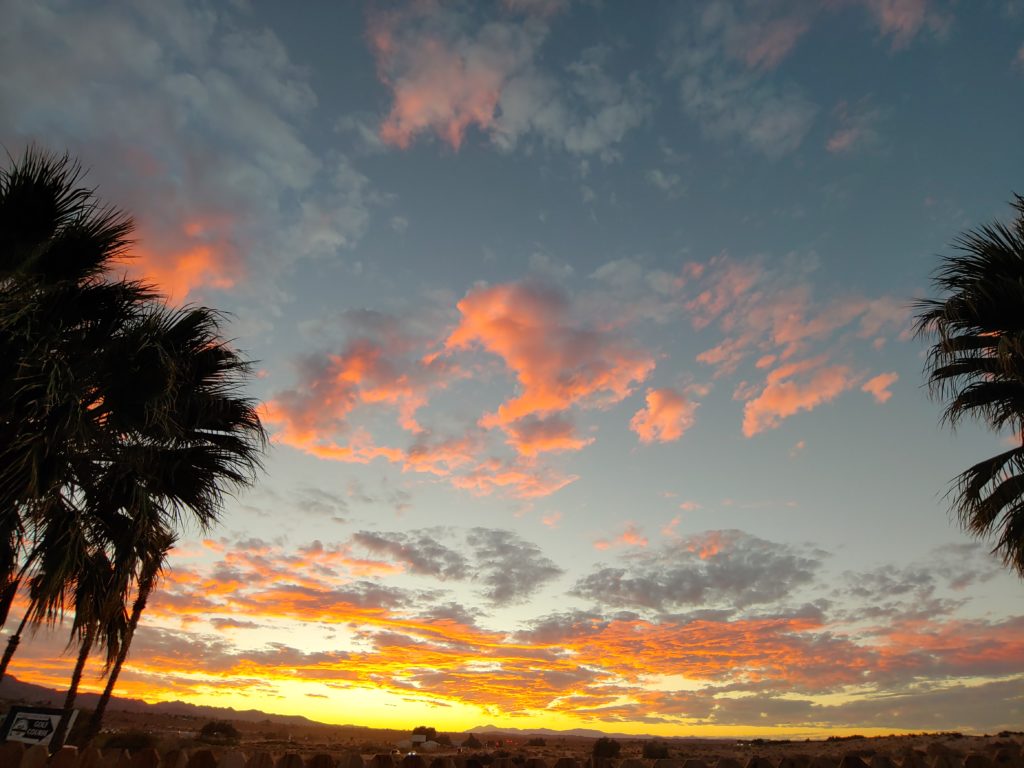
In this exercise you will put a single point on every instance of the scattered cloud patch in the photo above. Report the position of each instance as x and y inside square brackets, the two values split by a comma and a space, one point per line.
[665, 417]
[209, 208]
[716, 568]
[450, 70]
[856, 128]
[879, 386]
[558, 361]
[631, 536]
[795, 387]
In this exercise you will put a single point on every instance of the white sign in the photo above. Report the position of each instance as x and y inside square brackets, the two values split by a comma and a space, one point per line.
[34, 725]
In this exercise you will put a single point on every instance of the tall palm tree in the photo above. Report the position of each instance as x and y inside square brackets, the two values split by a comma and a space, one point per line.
[59, 312]
[149, 574]
[976, 365]
[183, 465]
[120, 419]
[99, 617]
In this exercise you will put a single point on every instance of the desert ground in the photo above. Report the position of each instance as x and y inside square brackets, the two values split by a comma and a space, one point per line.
[181, 731]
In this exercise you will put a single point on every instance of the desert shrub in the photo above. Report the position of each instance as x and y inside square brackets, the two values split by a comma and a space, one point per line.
[655, 750]
[219, 731]
[605, 747]
[130, 740]
[537, 742]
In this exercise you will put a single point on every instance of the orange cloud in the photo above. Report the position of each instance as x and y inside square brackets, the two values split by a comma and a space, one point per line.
[520, 478]
[783, 397]
[879, 385]
[200, 253]
[581, 665]
[667, 415]
[772, 313]
[440, 82]
[630, 537]
[552, 520]
[558, 363]
[443, 92]
[531, 436]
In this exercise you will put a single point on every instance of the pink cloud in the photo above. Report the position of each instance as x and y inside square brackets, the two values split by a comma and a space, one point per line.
[631, 536]
[558, 362]
[783, 396]
[856, 128]
[666, 416]
[768, 315]
[531, 436]
[520, 479]
[669, 529]
[902, 19]
[690, 506]
[369, 371]
[773, 313]
[442, 81]
[726, 284]
[878, 386]
[552, 520]
[769, 43]
[442, 92]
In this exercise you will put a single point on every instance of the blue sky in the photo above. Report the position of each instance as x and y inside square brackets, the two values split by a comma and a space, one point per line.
[583, 334]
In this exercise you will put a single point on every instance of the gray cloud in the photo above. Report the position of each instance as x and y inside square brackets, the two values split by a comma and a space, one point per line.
[420, 551]
[728, 568]
[508, 568]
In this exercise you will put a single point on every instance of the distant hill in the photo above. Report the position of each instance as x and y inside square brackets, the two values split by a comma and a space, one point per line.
[17, 692]
[583, 733]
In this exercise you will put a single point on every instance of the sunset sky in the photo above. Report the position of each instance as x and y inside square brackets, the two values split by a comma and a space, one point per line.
[583, 337]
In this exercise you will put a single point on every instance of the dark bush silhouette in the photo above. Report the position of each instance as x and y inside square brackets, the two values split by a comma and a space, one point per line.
[655, 750]
[219, 731]
[605, 747]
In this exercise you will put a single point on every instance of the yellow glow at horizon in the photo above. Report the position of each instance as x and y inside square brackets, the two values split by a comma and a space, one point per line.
[386, 709]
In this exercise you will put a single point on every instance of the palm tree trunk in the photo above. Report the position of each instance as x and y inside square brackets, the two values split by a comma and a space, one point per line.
[69, 701]
[7, 599]
[96, 720]
[12, 645]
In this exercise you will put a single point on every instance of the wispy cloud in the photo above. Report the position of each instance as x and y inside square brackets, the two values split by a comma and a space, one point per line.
[449, 71]
[856, 128]
[207, 144]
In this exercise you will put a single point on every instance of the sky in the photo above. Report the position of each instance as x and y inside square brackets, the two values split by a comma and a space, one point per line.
[583, 333]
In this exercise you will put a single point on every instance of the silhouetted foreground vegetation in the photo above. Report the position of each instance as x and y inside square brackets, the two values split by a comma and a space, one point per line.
[120, 419]
[976, 365]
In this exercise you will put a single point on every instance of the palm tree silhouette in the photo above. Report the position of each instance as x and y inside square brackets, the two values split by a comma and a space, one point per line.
[976, 365]
[121, 420]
